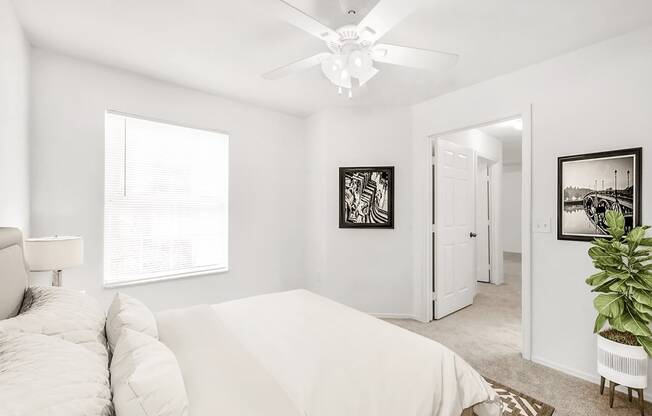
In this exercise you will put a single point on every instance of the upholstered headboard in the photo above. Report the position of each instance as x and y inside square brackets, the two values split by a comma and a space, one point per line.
[13, 272]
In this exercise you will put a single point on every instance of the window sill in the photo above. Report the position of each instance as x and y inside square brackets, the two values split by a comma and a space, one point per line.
[113, 285]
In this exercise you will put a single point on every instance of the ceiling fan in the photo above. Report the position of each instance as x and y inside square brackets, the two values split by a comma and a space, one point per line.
[354, 48]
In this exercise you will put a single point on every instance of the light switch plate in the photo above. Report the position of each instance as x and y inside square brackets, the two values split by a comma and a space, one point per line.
[542, 225]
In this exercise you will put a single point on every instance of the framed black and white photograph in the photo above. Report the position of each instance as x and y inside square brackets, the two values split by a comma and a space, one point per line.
[591, 184]
[367, 197]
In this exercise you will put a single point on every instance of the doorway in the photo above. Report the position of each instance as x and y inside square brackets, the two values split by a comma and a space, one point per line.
[476, 251]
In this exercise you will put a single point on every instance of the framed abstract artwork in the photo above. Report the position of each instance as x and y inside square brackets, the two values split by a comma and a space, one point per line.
[367, 197]
[591, 184]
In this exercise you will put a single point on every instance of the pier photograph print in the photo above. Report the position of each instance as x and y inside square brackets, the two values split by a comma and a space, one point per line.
[591, 184]
[367, 197]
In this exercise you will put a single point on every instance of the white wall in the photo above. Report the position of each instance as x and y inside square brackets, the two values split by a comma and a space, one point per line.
[486, 146]
[369, 269]
[511, 208]
[594, 99]
[14, 115]
[267, 186]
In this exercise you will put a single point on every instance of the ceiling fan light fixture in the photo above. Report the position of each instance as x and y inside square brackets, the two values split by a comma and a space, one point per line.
[332, 67]
[359, 63]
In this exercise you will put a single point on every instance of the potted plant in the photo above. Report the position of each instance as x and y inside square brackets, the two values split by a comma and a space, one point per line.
[624, 301]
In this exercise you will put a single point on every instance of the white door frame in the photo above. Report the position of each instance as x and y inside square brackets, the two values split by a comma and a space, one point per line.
[426, 297]
[483, 225]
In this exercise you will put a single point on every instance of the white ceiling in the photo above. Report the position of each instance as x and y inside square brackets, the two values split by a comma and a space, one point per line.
[511, 138]
[224, 46]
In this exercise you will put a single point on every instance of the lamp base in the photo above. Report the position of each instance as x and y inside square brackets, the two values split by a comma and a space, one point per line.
[57, 278]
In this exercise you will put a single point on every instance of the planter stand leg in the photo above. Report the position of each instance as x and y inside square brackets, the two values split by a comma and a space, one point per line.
[601, 385]
[612, 389]
[641, 401]
[629, 394]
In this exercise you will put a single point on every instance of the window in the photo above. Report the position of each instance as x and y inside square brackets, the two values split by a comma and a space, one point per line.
[165, 201]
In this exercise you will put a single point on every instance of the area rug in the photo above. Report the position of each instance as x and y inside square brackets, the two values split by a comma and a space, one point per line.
[519, 404]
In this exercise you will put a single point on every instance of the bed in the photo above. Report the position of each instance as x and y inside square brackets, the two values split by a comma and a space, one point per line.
[295, 354]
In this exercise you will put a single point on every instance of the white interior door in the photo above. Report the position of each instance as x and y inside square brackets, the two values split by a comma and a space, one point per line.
[455, 281]
[482, 221]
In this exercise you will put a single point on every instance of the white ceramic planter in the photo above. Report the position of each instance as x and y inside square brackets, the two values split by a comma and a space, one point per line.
[623, 364]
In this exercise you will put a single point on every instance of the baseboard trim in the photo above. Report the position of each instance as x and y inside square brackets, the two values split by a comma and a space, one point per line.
[591, 378]
[394, 316]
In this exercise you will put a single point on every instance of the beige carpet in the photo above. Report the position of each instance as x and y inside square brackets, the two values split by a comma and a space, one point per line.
[487, 335]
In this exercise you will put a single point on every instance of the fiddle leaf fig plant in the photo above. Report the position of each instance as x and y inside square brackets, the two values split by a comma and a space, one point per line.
[624, 282]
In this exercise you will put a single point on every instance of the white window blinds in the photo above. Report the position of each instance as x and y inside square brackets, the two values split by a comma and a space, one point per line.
[165, 200]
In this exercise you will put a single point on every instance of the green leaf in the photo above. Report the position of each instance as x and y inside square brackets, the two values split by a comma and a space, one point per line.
[597, 278]
[638, 316]
[643, 308]
[635, 236]
[621, 286]
[646, 343]
[637, 283]
[628, 323]
[598, 252]
[622, 275]
[622, 248]
[601, 242]
[647, 242]
[647, 278]
[615, 224]
[607, 262]
[605, 287]
[610, 305]
[643, 297]
[600, 320]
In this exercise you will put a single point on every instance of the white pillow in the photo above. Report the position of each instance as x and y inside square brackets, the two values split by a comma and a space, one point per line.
[145, 378]
[128, 312]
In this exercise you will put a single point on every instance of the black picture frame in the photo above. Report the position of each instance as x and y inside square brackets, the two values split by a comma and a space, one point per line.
[370, 215]
[605, 193]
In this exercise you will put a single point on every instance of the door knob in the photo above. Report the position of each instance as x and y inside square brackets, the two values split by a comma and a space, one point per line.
[472, 234]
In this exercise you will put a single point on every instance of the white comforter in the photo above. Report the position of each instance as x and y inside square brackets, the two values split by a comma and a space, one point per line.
[332, 360]
[42, 375]
[53, 357]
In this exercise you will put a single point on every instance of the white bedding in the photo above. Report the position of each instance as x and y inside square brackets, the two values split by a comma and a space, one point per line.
[332, 360]
[53, 357]
[48, 376]
[220, 376]
[64, 313]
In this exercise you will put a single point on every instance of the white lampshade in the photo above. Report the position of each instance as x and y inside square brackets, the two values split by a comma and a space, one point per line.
[54, 253]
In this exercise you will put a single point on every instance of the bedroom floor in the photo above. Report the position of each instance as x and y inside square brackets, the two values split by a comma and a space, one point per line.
[487, 335]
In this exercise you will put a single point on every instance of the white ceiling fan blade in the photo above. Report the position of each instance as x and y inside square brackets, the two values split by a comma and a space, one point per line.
[413, 57]
[384, 16]
[297, 66]
[285, 11]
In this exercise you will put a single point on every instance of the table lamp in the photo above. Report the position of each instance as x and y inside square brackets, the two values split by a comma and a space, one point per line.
[55, 254]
